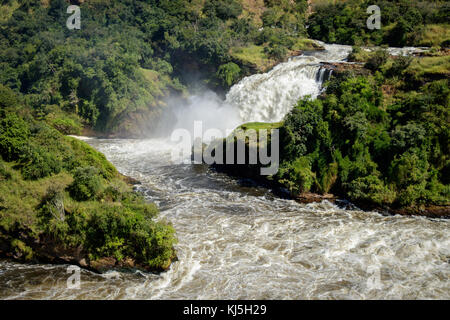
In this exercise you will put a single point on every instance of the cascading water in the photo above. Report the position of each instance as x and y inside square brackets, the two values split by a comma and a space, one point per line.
[270, 96]
[240, 242]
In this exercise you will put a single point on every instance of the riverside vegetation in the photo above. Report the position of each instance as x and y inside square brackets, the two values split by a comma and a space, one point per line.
[379, 135]
[60, 200]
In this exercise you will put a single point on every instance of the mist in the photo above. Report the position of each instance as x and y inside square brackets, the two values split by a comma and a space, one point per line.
[206, 107]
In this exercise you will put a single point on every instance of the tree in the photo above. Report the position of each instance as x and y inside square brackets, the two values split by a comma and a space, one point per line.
[228, 73]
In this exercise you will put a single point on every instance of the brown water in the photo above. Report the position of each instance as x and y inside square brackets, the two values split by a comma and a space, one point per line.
[238, 242]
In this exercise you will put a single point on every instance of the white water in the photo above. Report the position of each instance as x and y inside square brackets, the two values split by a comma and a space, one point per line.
[268, 97]
[242, 242]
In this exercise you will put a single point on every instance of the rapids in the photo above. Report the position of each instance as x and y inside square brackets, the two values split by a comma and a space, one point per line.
[240, 241]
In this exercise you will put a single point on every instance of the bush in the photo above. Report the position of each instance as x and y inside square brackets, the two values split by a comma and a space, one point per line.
[276, 52]
[370, 189]
[122, 233]
[86, 184]
[8, 98]
[14, 132]
[66, 125]
[378, 59]
[37, 163]
[109, 230]
[223, 9]
[228, 73]
[400, 64]
[5, 174]
[298, 175]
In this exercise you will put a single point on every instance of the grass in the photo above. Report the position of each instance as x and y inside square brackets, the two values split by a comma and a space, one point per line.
[19, 198]
[434, 35]
[261, 125]
[306, 44]
[253, 55]
[430, 66]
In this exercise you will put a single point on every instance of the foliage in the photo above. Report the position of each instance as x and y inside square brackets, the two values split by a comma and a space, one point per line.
[228, 73]
[119, 67]
[403, 22]
[376, 60]
[59, 190]
[86, 184]
[353, 143]
[121, 230]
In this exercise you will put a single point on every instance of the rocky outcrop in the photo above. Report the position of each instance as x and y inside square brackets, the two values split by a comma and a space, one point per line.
[339, 68]
[309, 197]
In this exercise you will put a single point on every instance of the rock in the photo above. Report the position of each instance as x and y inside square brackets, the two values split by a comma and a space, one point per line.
[130, 180]
[83, 263]
[103, 264]
[314, 197]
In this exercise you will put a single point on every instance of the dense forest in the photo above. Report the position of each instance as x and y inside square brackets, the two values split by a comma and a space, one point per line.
[372, 139]
[114, 74]
[403, 23]
[378, 135]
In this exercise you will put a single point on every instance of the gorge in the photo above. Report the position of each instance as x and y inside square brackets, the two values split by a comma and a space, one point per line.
[237, 240]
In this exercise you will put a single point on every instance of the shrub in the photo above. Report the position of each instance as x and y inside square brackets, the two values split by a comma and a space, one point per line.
[298, 175]
[224, 9]
[276, 52]
[228, 73]
[108, 230]
[66, 125]
[400, 64]
[378, 59]
[14, 133]
[37, 163]
[5, 174]
[8, 97]
[86, 184]
[370, 189]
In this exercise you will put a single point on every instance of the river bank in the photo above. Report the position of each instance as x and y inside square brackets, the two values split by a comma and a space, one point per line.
[239, 241]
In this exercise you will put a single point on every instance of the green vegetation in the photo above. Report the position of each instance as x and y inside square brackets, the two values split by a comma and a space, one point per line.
[380, 140]
[115, 73]
[370, 144]
[59, 196]
[261, 125]
[403, 22]
[252, 55]
[430, 67]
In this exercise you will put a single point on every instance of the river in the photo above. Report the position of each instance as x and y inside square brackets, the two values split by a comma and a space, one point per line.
[240, 241]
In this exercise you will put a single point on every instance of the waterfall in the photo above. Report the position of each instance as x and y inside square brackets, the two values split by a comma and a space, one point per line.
[323, 75]
[268, 97]
[265, 97]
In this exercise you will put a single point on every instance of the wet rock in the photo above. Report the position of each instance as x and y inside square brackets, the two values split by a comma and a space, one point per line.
[308, 197]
